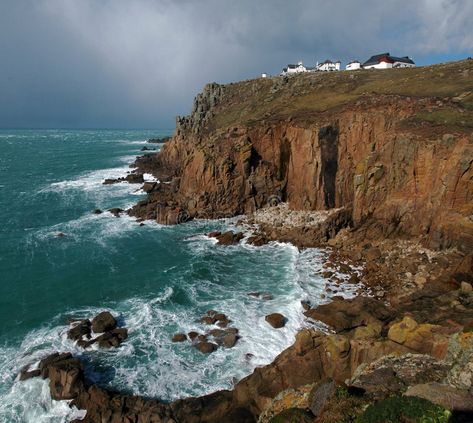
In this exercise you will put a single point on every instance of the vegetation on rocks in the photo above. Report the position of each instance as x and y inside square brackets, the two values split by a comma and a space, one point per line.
[400, 409]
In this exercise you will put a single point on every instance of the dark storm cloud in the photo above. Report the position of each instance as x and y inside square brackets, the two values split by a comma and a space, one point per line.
[122, 63]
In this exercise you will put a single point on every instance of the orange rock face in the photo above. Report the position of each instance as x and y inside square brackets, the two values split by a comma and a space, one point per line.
[396, 176]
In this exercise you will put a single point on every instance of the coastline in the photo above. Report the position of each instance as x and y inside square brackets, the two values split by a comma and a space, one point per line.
[359, 332]
[362, 179]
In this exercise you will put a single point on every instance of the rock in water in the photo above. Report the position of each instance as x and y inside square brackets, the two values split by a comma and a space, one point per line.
[179, 337]
[79, 330]
[112, 338]
[230, 340]
[103, 322]
[276, 320]
[206, 347]
[229, 238]
[116, 211]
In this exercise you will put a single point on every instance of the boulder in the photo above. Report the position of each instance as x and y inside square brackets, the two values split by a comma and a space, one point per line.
[342, 314]
[103, 322]
[445, 396]
[26, 373]
[400, 331]
[229, 238]
[79, 330]
[257, 240]
[276, 320]
[320, 395]
[192, 335]
[116, 211]
[65, 374]
[230, 340]
[98, 211]
[217, 333]
[208, 320]
[220, 317]
[392, 374]
[206, 347]
[179, 337]
[112, 338]
[134, 178]
[48, 361]
[223, 323]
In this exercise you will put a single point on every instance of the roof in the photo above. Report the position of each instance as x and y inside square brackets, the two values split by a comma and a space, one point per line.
[386, 57]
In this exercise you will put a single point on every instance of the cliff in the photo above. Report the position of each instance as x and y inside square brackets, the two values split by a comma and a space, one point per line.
[388, 154]
[394, 148]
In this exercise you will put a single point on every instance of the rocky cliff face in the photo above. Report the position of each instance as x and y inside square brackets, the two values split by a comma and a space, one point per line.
[394, 148]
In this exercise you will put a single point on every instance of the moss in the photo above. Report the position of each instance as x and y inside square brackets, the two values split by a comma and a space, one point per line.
[293, 415]
[399, 409]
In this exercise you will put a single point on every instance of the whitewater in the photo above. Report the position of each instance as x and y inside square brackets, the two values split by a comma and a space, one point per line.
[157, 279]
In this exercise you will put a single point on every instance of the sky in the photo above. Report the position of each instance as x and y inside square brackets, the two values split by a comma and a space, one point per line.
[139, 63]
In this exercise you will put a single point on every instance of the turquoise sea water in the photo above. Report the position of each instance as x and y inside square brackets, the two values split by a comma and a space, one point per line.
[158, 279]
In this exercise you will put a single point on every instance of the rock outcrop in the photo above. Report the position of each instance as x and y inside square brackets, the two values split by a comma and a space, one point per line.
[380, 156]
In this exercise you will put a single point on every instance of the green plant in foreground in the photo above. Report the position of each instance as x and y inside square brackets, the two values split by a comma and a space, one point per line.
[399, 409]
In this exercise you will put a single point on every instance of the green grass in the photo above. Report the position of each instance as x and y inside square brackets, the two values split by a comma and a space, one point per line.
[306, 95]
[399, 408]
[447, 117]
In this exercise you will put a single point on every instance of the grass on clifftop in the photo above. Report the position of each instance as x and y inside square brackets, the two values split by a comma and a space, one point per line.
[303, 95]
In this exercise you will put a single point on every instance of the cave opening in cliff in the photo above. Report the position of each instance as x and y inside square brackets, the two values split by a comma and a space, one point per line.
[328, 138]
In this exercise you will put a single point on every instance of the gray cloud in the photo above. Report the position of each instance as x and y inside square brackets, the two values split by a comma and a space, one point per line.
[122, 63]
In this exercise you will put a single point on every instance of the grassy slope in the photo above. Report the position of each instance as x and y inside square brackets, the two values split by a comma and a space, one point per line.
[304, 95]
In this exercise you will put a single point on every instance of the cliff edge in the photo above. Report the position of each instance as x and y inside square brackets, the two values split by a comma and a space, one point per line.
[394, 148]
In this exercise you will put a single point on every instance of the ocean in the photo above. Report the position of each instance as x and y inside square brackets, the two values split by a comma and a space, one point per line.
[158, 279]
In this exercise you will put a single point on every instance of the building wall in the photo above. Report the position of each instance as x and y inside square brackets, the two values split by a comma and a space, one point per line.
[353, 66]
[381, 65]
[403, 65]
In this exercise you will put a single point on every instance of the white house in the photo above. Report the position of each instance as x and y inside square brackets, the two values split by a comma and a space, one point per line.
[328, 66]
[292, 69]
[386, 61]
[354, 65]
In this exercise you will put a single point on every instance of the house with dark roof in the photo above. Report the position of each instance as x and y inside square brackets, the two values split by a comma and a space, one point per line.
[291, 69]
[386, 61]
